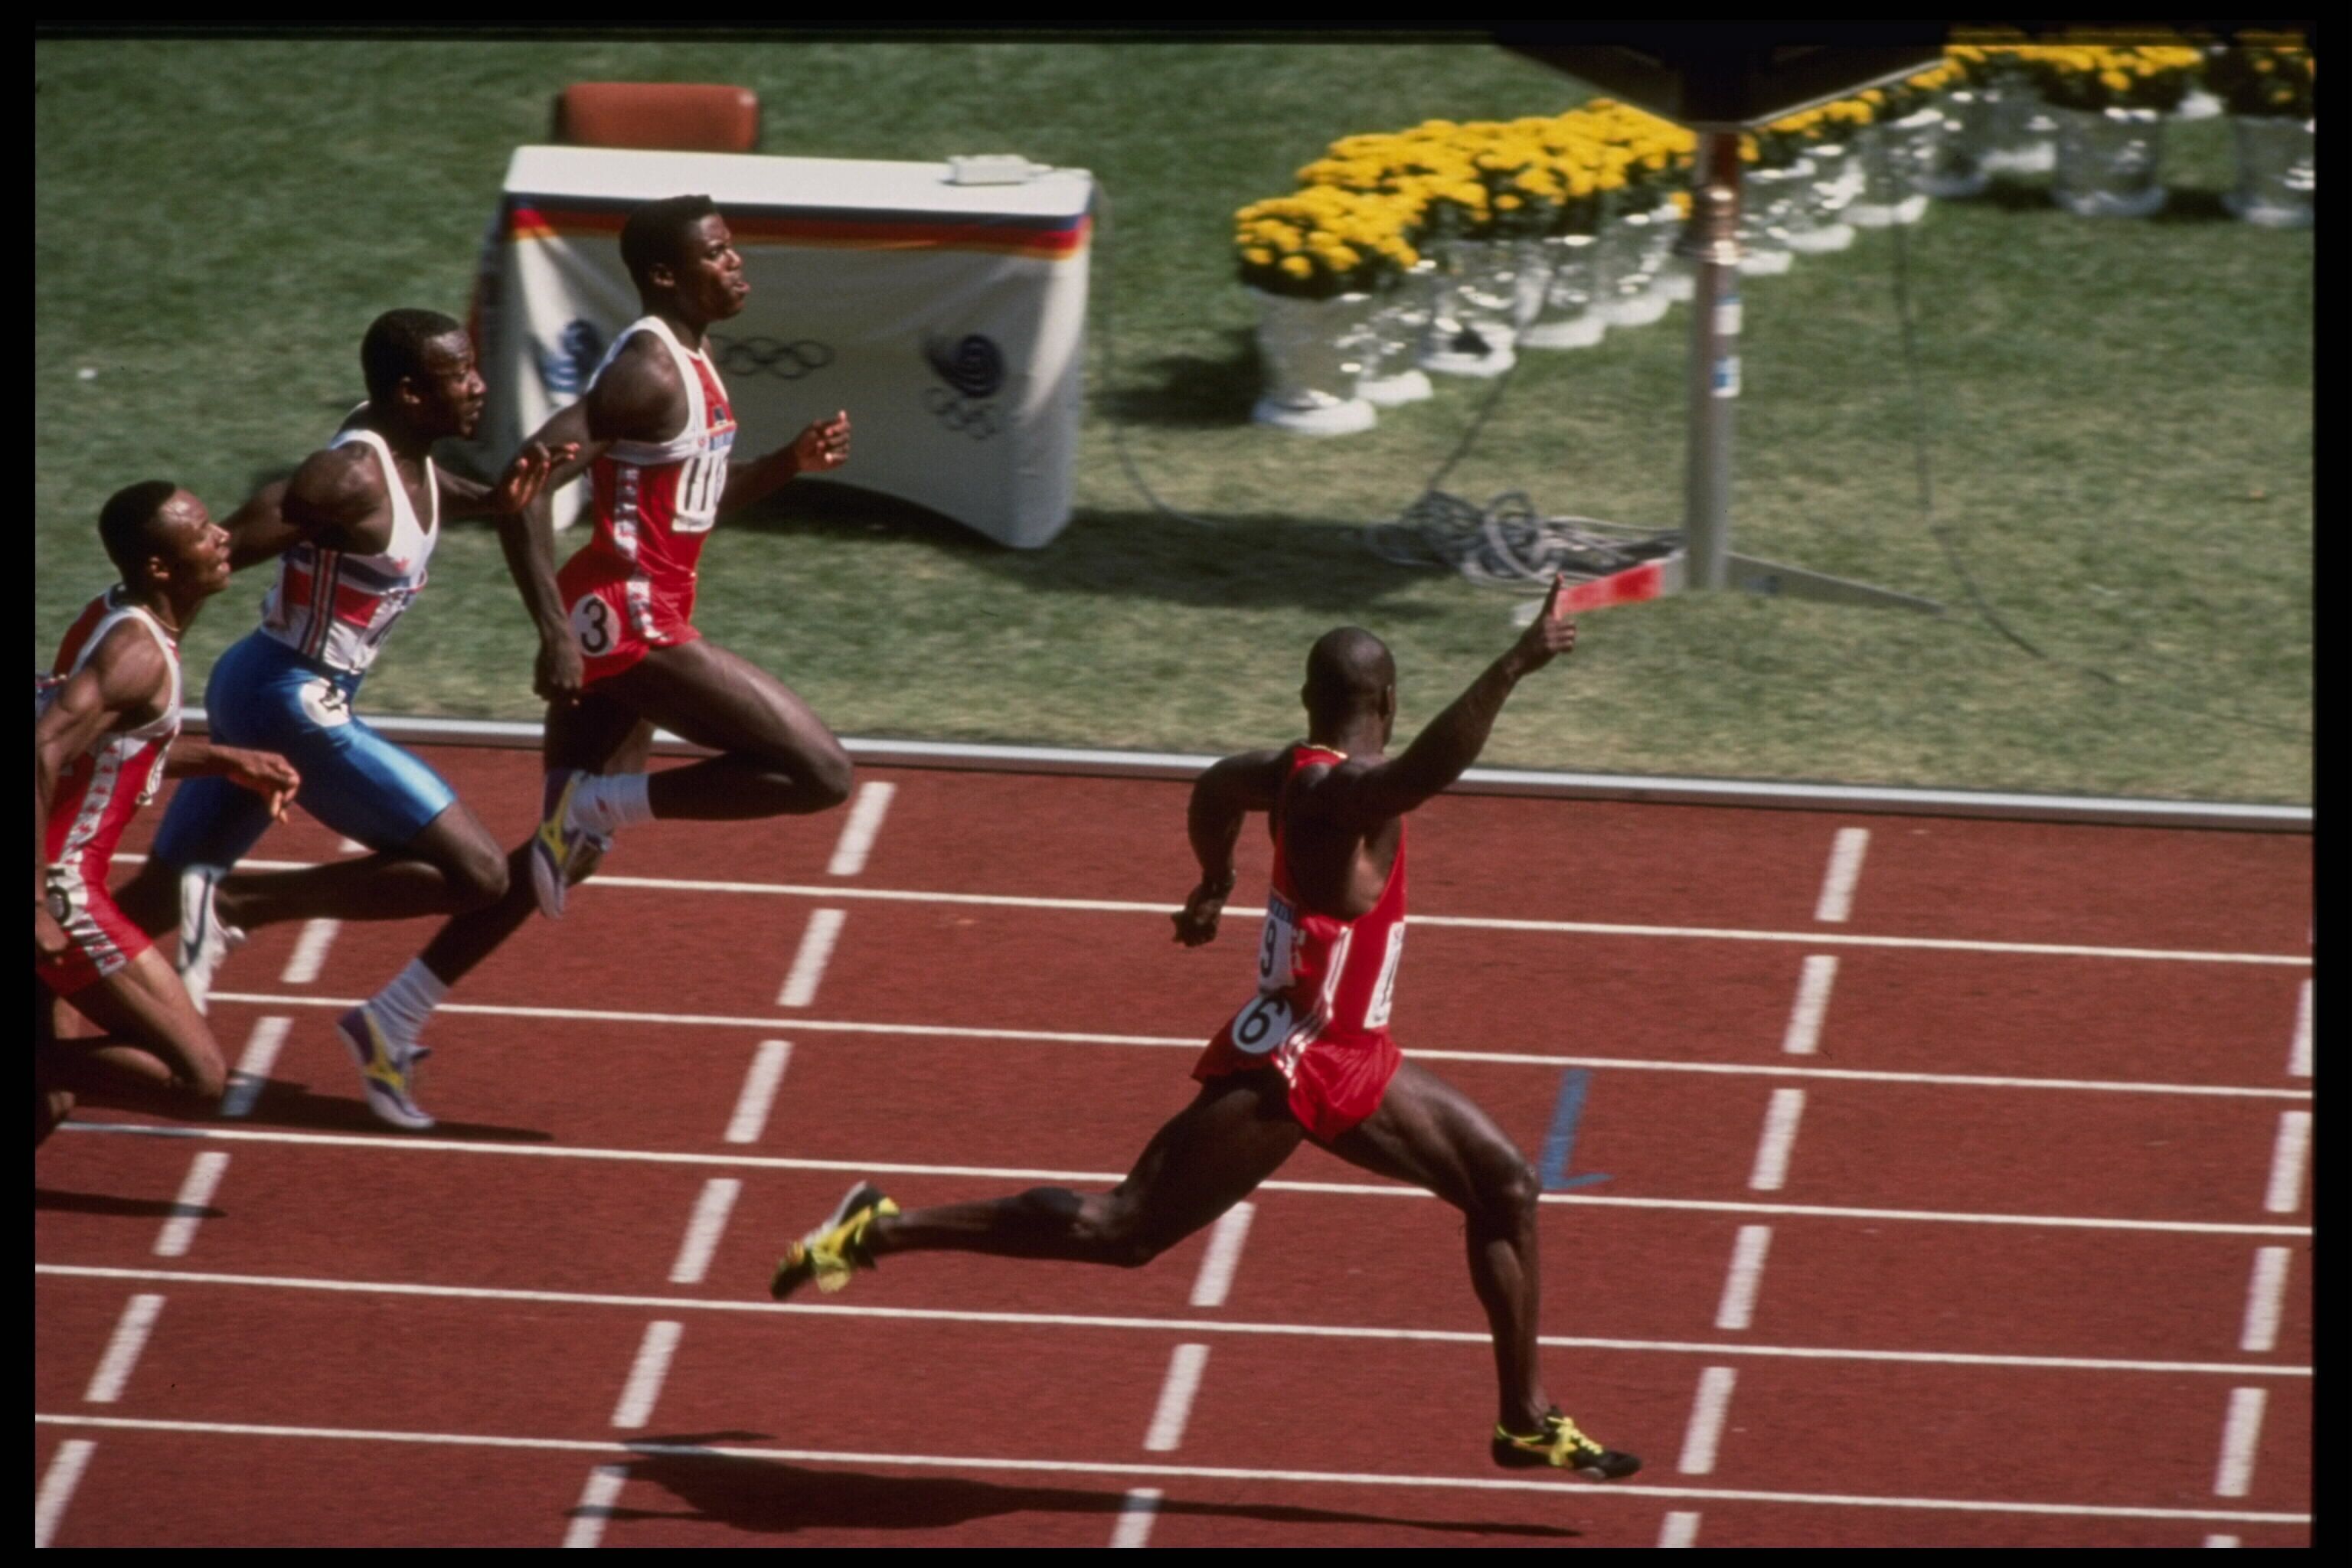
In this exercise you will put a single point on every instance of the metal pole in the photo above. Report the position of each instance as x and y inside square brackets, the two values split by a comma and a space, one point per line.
[1711, 241]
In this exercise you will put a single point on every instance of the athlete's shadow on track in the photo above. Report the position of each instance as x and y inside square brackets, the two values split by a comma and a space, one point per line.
[113, 1204]
[283, 1104]
[774, 1498]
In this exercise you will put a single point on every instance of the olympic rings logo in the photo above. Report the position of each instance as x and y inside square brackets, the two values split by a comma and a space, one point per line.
[769, 357]
[973, 419]
[973, 366]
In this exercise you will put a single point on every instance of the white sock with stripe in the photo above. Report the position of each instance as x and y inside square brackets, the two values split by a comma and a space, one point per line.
[607, 802]
[405, 1005]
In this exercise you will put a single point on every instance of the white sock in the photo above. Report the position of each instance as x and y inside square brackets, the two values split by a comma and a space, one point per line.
[406, 1005]
[607, 802]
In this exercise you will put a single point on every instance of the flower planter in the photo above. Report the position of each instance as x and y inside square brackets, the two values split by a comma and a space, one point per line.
[2197, 104]
[1393, 336]
[1767, 198]
[1892, 155]
[2110, 163]
[2276, 171]
[1566, 316]
[2020, 130]
[1311, 365]
[1470, 330]
[1633, 247]
[1957, 160]
[1818, 225]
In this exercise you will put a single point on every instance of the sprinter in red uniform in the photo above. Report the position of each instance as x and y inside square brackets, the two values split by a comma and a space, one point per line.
[1309, 1055]
[619, 652]
[104, 719]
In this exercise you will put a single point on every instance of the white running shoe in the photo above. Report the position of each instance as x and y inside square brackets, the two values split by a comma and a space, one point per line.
[387, 1068]
[204, 938]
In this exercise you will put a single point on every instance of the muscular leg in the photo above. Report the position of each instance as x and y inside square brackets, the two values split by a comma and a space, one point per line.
[597, 734]
[776, 757]
[1210, 1155]
[156, 1052]
[451, 866]
[1428, 1134]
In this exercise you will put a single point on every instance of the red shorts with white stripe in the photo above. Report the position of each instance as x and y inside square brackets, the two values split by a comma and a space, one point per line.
[100, 938]
[1334, 1083]
[616, 619]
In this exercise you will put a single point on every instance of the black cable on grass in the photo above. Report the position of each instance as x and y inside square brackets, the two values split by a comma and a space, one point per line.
[1942, 536]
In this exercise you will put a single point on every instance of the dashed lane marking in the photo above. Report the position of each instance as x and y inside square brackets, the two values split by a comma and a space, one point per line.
[2266, 1297]
[751, 1117]
[253, 1069]
[1804, 1036]
[1678, 1529]
[1844, 870]
[1224, 1255]
[857, 834]
[57, 1483]
[647, 1373]
[1587, 1496]
[1773, 1150]
[309, 956]
[1135, 1514]
[1192, 1043]
[1345, 1189]
[594, 1509]
[1148, 1325]
[1185, 1365]
[815, 952]
[129, 1337]
[2241, 1432]
[1706, 1428]
[2298, 1055]
[1739, 1285]
[2284, 1195]
[703, 1229]
[179, 1232]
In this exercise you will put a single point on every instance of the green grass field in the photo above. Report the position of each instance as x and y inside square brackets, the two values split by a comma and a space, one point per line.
[2120, 417]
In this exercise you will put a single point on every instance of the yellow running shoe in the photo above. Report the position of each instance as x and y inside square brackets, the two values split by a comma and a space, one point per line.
[557, 842]
[1559, 1445]
[831, 1252]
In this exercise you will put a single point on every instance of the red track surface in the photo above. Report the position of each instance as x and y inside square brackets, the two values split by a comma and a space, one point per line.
[423, 1341]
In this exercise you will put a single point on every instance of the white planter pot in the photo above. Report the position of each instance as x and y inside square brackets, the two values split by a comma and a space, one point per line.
[1893, 156]
[1768, 199]
[1392, 334]
[1566, 315]
[1470, 330]
[1312, 350]
[1956, 162]
[2197, 105]
[1636, 243]
[2277, 172]
[1818, 225]
[2110, 163]
[2020, 130]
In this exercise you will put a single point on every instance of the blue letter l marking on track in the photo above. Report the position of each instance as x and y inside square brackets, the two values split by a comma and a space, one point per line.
[1561, 1141]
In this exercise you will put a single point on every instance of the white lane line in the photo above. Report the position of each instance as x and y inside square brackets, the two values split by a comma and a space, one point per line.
[1175, 1406]
[2240, 1431]
[2265, 1296]
[2220, 1540]
[857, 834]
[1845, 869]
[645, 1375]
[252, 1074]
[1678, 1529]
[1811, 937]
[1224, 1255]
[1738, 1306]
[2285, 1193]
[815, 953]
[1064, 1178]
[57, 1483]
[1780, 1119]
[1706, 1428]
[1192, 1043]
[1135, 1516]
[1805, 1035]
[595, 1505]
[310, 957]
[1149, 1325]
[703, 1231]
[179, 1232]
[937, 1461]
[2298, 1055]
[130, 1331]
[751, 1117]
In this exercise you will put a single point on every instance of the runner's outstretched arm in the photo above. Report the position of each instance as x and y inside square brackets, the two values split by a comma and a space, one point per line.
[1358, 798]
[1222, 797]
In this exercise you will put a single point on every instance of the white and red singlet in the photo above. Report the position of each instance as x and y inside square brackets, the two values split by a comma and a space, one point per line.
[1324, 989]
[335, 608]
[93, 800]
[630, 588]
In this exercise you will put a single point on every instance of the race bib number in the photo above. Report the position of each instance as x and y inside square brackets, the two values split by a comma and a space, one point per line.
[592, 626]
[1263, 1024]
[1276, 942]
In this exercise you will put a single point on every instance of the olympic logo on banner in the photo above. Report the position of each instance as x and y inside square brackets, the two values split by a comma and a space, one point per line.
[973, 369]
[771, 356]
[974, 419]
[565, 369]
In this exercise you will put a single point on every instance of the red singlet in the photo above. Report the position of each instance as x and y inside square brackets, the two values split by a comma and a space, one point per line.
[630, 589]
[94, 800]
[1324, 989]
